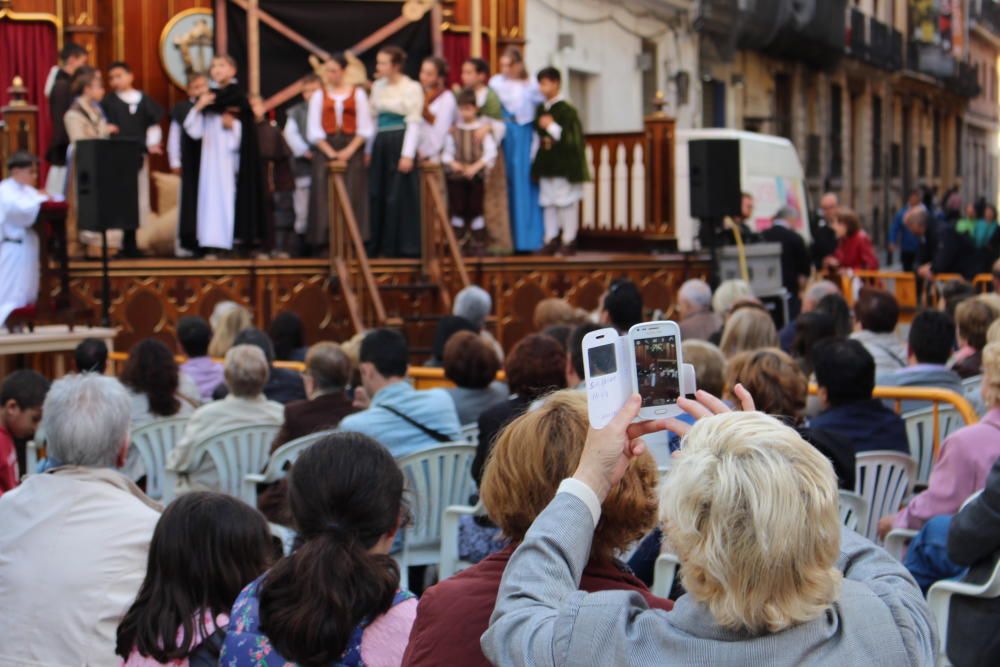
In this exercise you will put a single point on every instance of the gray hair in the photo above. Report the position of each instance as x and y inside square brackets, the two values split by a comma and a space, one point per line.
[815, 292]
[697, 293]
[474, 304]
[86, 419]
[728, 293]
[246, 370]
[787, 213]
[220, 310]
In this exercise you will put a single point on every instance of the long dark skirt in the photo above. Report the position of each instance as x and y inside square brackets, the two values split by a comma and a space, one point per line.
[318, 228]
[394, 199]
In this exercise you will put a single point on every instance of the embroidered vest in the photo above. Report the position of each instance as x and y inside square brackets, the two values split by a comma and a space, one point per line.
[467, 149]
[349, 117]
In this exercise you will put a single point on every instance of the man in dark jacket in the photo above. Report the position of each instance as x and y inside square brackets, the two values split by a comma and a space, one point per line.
[795, 266]
[845, 372]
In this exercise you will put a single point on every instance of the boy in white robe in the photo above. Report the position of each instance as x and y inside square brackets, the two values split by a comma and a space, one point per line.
[20, 201]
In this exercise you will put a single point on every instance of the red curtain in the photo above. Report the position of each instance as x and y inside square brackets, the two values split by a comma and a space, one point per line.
[455, 47]
[28, 50]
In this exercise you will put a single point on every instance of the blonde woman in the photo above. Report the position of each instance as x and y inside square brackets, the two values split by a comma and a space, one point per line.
[230, 323]
[749, 328]
[772, 578]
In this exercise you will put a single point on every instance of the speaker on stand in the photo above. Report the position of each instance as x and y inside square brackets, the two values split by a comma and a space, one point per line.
[107, 194]
[715, 190]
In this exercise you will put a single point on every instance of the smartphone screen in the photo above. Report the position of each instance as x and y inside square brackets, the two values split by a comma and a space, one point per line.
[657, 371]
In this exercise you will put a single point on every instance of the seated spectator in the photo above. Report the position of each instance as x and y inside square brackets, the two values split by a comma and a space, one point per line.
[469, 362]
[621, 306]
[996, 276]
[576, 374]
[447, 326]
[475, 304]
[694, 308]
[845, 373]
[768, 582]
[993, 334]
[813, 294]
[750, 327]
[780, 388]
[810, 329]
[729, 293]
[288, 336]
[876, 313]
[972, 320]
[403, 419]
[328, 371]
[283, 385]
[91, 356]
[561, 332]
[836, 307]
[929, 344]
[21, 397]
[228, 319]
[336, 599]
[555, 311]
[531, 455]
[75, 540]
[194, 335]
[964, 462]
[244, 405]
[535, 367]
[205, 549]
[950, 293]
[156, 386]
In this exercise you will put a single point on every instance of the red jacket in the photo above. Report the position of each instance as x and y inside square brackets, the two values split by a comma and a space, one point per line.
[855, 252]
[8, 461]
[455, 613]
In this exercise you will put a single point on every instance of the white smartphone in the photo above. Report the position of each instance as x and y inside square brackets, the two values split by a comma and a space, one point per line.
[607, 368]
[655, 350]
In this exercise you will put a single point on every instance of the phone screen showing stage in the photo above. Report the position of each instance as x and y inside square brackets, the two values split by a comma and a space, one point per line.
[657, 371]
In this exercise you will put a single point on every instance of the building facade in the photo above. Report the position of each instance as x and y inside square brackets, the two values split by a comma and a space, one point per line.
[982, 121]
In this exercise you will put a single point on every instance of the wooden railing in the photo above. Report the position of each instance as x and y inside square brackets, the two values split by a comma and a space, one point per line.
[442, 257]
[347, 251]
[631, 194]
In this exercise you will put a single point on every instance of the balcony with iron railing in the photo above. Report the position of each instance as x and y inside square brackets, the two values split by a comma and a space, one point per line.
[871, 41]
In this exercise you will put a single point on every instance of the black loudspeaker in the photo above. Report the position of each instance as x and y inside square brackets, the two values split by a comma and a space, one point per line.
[714, 177]
[107, 184]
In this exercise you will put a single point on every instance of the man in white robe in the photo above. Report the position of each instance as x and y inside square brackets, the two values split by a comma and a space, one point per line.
[20, 201]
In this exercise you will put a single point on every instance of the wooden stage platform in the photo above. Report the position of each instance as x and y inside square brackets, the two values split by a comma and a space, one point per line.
[148, 296]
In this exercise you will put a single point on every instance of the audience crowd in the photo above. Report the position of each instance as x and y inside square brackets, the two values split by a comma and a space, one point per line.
[742, 488]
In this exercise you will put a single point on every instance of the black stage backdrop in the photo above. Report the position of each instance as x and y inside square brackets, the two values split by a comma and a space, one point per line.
[331, 25]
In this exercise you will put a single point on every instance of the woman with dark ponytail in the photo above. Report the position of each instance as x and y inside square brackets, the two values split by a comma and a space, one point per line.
[336, 599]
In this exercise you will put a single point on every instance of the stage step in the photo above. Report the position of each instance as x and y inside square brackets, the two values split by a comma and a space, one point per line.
[410, 287]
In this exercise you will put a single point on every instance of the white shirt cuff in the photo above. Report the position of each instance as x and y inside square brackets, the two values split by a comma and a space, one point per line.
[575, 487]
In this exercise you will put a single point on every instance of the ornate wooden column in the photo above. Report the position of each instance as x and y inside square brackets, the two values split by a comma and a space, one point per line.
[20, 128]
[660, 130]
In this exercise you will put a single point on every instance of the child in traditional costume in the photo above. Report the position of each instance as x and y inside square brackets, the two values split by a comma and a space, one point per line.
[297, 137]
[184, 157]
[468, 155]
[20, 202]
[560, 165]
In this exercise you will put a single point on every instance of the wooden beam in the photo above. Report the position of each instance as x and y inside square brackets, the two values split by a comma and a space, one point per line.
[284, 30]
[221, 29]
[380, 35]
[437, 39]
[253, 46]
[476, 32]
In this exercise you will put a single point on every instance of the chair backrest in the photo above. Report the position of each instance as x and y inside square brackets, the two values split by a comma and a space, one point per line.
[883, 479]
[470, 434]
[971, 387]
[234, 454]
[153, 442]
[925, 431]
[282, 457]
[438, 478]
[853, 510]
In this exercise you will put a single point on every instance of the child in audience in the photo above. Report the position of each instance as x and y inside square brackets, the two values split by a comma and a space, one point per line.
[206, 548]
[559, 166]
[21, 398]
[468, 154]
[336, 599]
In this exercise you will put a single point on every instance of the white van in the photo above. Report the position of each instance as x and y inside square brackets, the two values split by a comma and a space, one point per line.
[769, 170]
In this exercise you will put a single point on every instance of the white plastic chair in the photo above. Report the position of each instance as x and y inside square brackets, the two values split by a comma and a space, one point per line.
[921, 436]
[939, 600]
[235, 454]
[281, 458]
[153, 442]
[898, 540]
[438, 478]
[853, 510]
[31, 457]
[664, 572]
[470, 434]
[971, 387]
[883, 478]
[450, 562]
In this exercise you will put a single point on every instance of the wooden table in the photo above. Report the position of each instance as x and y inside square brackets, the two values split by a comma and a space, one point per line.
[50, 338]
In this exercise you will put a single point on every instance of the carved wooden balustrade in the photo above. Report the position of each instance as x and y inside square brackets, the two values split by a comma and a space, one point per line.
[442, 259]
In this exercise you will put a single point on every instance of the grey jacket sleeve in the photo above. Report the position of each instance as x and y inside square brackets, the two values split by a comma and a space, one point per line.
[975, 531]
[883, 575]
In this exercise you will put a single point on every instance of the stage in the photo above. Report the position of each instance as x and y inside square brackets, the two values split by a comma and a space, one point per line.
[148, 296]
